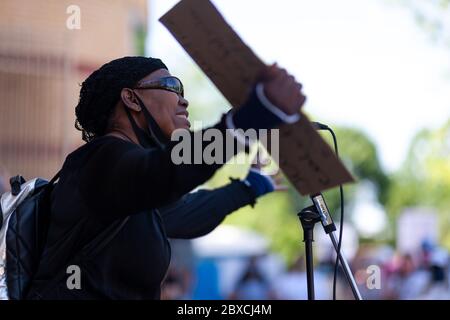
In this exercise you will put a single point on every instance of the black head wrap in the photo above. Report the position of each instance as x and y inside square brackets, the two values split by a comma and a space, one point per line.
[100, 92]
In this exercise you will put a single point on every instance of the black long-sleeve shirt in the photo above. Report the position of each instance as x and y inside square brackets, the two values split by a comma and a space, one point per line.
[103, 182]
[200, 212]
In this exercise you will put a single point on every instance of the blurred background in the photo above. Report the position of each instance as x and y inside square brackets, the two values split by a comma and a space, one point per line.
[376, 71]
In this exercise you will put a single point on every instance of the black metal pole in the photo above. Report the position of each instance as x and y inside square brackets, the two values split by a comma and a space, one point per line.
[308, 218]
[346, 268]
[308, 239]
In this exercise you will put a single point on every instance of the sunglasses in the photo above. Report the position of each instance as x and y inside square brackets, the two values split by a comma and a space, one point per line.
[172, 84]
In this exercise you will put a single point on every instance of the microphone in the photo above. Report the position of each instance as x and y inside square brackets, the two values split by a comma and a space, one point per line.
[324, 212]
[320, 126]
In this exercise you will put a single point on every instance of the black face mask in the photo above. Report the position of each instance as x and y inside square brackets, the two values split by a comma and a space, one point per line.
[153, 136]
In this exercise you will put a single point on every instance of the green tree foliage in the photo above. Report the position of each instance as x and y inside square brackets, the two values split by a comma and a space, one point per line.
[360, 155]
[424, 180]
[433, 16]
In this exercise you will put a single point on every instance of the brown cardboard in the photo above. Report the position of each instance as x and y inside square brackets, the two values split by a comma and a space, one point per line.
[305, 158]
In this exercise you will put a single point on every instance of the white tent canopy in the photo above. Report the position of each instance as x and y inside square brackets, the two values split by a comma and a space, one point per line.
[226, 241]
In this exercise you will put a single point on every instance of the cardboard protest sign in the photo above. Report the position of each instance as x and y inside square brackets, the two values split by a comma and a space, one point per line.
[305, 158]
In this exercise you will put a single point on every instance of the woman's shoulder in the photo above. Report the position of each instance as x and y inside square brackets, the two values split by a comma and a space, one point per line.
[105, 147]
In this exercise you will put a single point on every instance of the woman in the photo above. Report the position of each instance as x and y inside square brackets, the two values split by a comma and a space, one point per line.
[104, 218]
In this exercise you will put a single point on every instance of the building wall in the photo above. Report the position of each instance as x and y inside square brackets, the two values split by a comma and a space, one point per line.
[42, 63]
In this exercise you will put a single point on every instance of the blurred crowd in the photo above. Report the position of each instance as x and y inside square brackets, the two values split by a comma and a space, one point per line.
[379, 270]
[419, 275]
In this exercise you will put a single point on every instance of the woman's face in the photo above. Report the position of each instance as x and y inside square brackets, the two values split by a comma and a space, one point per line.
[169, 109]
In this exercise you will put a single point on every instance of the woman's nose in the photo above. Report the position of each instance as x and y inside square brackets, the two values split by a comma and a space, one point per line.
[183, 102]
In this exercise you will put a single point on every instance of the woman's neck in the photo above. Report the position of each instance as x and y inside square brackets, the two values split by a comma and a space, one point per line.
[123, 134]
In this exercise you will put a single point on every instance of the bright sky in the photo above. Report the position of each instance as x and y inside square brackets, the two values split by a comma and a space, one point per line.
[362, 63]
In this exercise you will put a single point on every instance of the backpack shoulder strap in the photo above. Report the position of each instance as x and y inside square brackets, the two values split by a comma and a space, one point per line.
[56, 177]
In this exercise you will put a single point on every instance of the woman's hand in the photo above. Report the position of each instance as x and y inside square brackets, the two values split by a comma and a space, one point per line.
[282, 89]
[260, 163]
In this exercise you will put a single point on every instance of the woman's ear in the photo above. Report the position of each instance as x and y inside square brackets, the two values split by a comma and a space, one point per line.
[129, 99]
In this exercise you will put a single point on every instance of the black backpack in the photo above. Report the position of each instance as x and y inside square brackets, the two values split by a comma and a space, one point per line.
[25, 216]
[24, 220]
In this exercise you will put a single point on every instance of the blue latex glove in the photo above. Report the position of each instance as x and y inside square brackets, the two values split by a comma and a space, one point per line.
[260, 184]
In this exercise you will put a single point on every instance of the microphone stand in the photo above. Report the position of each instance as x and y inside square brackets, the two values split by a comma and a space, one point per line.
[309, 217]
